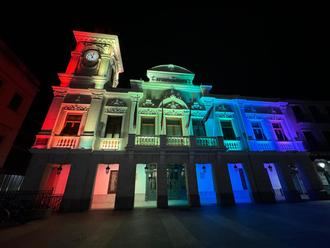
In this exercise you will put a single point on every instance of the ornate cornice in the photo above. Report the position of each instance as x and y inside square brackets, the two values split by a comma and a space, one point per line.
[264, 116]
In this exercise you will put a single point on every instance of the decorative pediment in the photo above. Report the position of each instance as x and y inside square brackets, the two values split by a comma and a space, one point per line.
[148, 104]
[197, 106]
[116, 102]
[172, 93]
[173, 102]
[77, 98]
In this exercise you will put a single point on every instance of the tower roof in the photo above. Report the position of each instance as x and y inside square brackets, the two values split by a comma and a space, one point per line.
[170, 73]
[170, 68]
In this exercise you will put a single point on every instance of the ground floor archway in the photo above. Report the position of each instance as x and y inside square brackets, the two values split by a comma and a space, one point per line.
[105, 186]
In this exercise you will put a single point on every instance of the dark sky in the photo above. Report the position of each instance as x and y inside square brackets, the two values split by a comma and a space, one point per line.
[268, 53]
[263, 53]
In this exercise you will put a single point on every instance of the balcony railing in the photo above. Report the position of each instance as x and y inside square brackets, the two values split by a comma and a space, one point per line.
[110, 143]
[177, 141]
[262, 145]
[286, 146]
[147, 140]
[233, 145]
[65, 142]
[207, 141]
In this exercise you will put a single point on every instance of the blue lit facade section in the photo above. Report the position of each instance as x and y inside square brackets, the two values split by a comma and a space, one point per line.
[205, 183]
[240, 183]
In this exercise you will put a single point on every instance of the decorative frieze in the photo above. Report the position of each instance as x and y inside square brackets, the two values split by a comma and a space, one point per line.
[113, 109]
[75, 107]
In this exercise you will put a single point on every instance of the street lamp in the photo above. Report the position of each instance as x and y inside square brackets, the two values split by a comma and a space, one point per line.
[321, 164]
[107, 169]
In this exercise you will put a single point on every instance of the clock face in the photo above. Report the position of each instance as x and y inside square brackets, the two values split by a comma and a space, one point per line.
[92, 56]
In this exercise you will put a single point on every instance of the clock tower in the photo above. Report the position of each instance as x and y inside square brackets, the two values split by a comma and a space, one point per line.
[95, 62]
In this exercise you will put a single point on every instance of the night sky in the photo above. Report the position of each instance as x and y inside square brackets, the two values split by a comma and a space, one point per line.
[264, 53]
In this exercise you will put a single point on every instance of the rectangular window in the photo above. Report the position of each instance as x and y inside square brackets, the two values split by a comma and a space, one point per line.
[113, 128]
[113, 182]
[15, 102]
[242, 176]
[71, 125]
[173, 127]
[280, 135]
[300, 116]
[148, 126]
[227, 130]
[198, 127]
[258, 132]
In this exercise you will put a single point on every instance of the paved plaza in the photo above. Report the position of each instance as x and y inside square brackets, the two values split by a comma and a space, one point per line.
[276, 225]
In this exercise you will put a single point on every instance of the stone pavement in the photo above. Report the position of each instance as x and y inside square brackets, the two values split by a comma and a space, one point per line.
[276, 225]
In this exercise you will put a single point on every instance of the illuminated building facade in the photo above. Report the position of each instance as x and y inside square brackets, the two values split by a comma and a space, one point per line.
[166, 141]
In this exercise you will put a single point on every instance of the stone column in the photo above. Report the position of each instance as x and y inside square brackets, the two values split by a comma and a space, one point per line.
[162, 200]
[75, 198]
[49, 123]
[259, 180]
[88, 136]
[289, 190]
[126, 184]
[35, 172]
[222, 183]
[191, 181]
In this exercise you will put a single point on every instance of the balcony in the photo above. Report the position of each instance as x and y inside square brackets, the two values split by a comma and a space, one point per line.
[64, 142]
[147, 140]
[110, 144]
[178, 140]
[286, 146]
[207, 141]
[233, 145]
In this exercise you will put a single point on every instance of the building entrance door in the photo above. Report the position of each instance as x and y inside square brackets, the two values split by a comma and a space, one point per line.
[176, 185]
[145, 185]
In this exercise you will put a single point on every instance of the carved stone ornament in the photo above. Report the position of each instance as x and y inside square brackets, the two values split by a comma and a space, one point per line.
[148, 104]
[225, 115]
[59, 93]
[198, 113]
[197, 106]
[116, 102]
[148, 111]
[113, 109]
[75, 107]
[172, 93]
[173, 105]
[223, 108]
